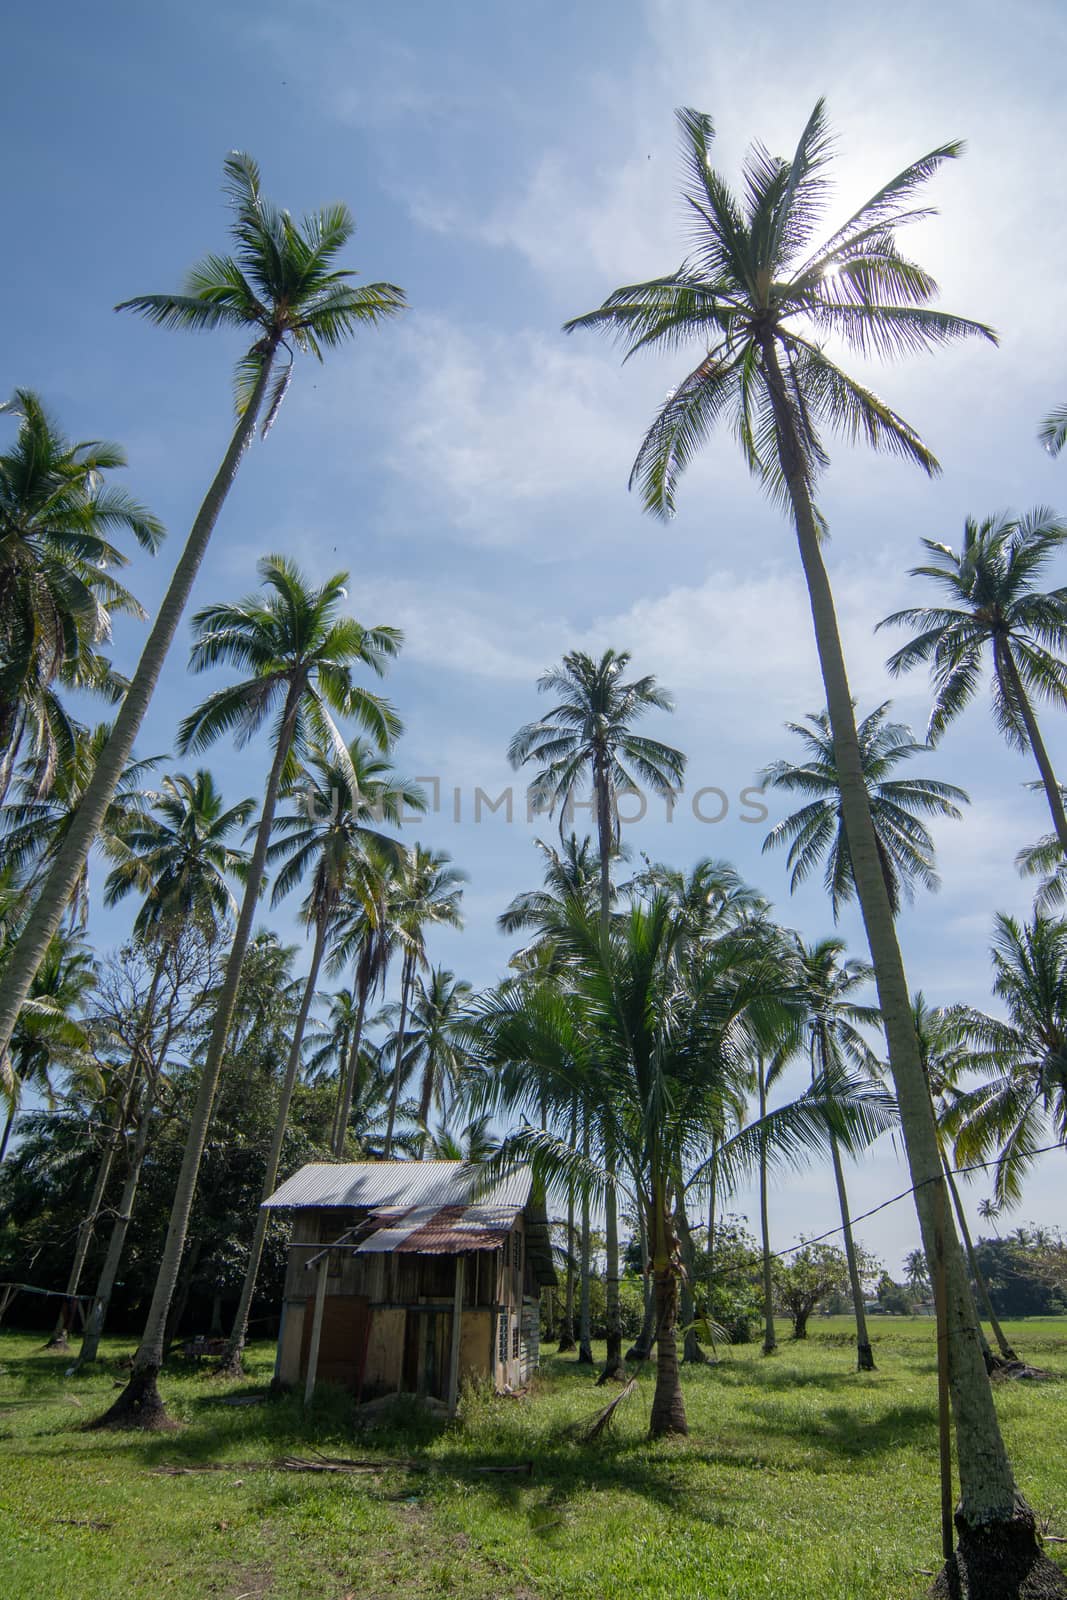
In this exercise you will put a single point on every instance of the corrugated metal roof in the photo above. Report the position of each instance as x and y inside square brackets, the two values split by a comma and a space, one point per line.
[403, 1185]
[440, 1230]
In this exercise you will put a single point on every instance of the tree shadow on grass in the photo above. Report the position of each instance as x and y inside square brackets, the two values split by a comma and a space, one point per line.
[839, 1431]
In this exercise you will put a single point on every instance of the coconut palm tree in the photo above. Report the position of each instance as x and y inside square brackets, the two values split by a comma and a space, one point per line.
[282, 290]
[1023, 1058]
[995, 609]
[436, 1042]
[589, 733]
[651, 1046]
[816, 832]
[300, 654]
[944, 1060]
[178, 858]
[760, 296]
[367, 938]
[58, 590]
[321, 836]
[428, 894]
[833, 1022]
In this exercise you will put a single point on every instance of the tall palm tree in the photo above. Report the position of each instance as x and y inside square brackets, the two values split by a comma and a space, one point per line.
[436, 1044]
[331, 824]
[760, 295]
[367, 938]
[994, 608]
[817, 831]
[300, 654]
[1022, 1058]
[428, 895]
[944, 1060]
[178, 859]
[589, 734]
[834, 1020]
[58, 591]
[283, 291]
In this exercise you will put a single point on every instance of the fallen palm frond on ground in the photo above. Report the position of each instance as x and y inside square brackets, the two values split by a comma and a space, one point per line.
[587, 1432]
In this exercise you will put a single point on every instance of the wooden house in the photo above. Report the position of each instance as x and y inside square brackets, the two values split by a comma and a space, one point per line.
[402, 1276]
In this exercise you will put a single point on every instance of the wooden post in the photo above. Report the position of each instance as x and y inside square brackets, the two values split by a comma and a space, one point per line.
[457, 1331]
[316, 1325]
[944, 1427]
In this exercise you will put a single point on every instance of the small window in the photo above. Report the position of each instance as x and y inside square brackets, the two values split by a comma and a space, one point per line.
[502, 1337]
[515, 1342]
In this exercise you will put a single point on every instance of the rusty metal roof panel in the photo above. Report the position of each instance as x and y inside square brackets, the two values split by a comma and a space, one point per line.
[403, 1185]
[441, 1230]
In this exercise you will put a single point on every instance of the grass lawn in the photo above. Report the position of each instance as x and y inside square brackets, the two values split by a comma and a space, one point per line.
[800, 1479]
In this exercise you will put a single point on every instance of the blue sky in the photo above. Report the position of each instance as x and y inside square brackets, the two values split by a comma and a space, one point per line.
[467, 465]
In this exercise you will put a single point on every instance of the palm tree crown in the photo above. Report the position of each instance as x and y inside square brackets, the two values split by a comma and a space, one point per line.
[281, 284]
[180, 855]
[57, 585]
[589, 733]
[759, 293]
[993, 604]
[817, 830]
[299, 654]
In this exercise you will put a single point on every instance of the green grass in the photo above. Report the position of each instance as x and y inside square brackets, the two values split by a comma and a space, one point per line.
[800, 1479]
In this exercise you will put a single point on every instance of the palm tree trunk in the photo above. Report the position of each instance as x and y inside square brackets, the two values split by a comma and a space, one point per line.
[9, 1123]
[139, 1404]
[47, 913]
[613, 1366]
[864, 1353]
[566, 1330]
[976, 1272]
[407, 977]
[231, 1360]
[770, 1342]
[1004, 661]
[351, 1070]
[120, 1226]
[692, 1354]
[991, 1511]
[668, 1403]
[585, 1343]
[713, 1201]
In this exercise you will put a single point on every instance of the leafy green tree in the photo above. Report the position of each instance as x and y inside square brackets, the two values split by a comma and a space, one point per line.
[282, 290]
[816, 832]
[812, 1275]
[300, 656]
[768, 304]
[58, 589]
[995, 610]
